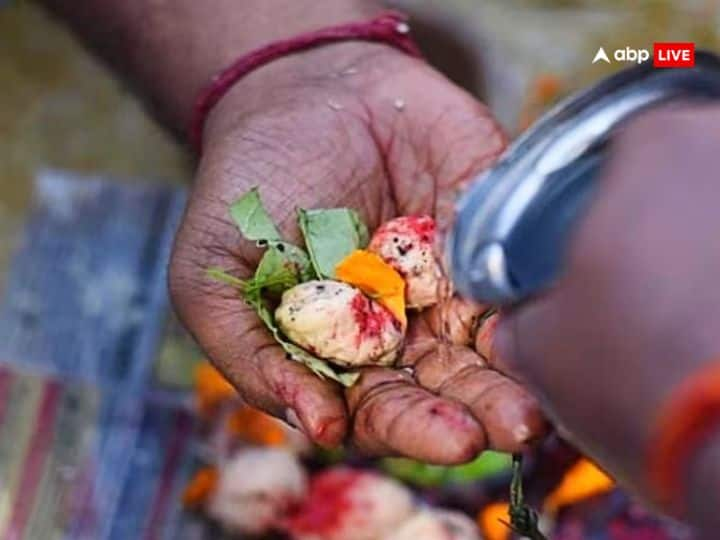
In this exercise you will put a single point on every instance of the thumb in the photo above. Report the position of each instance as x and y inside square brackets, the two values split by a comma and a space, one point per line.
[529, 343]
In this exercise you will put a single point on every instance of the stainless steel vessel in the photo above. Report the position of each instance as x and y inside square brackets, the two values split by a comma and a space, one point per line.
[513, 224]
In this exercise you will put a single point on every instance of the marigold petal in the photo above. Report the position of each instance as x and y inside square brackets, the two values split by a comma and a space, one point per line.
[211, 388]
[256, 427]
[493, 520]
[376, 278]
[200, 487]
[582, 481]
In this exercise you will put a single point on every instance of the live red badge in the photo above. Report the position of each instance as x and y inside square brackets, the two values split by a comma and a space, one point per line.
[673, 55]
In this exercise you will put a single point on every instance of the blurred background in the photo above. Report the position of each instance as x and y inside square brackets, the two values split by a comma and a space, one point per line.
[79, 160]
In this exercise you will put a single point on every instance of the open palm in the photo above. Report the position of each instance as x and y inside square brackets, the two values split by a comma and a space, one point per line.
[386, 136]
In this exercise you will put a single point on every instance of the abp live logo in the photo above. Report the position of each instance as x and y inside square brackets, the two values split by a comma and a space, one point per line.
[664, 55]
[674, 55]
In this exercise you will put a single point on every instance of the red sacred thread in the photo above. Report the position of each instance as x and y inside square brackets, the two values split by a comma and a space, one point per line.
[390, 27]
[686, 422]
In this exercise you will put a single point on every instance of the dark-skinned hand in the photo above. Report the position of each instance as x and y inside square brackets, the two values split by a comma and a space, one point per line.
[366, 127]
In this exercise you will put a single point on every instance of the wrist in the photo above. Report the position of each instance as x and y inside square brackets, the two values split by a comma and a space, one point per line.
[170, 50]
[263, 26]
[332, 75]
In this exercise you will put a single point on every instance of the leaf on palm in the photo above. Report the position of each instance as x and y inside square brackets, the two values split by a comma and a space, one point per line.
[330, 236]
[252, 219]
[282, 266]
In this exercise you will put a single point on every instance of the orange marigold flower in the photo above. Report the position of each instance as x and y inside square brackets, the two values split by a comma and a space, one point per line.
[256, 427]
[493, 520]
[376, 278]
[211, 388]
[582, 481]
[200, 487]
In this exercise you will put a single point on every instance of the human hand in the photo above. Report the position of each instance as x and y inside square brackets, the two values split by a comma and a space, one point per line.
[366, 127]
[638, 308]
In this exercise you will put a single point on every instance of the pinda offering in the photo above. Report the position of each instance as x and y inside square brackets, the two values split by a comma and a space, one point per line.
[340, 302]
[434, 524]
[351, 504]
[407, 243]
[248, 492]
[337, 321]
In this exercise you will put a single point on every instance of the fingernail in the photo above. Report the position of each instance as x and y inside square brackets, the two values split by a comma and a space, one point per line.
[521, 433]
[327, 431]
[292, 418]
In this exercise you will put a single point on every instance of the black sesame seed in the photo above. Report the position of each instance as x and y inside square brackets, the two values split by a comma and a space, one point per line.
[396, 239]
[262, 243]
[320, 287]
[280, 247]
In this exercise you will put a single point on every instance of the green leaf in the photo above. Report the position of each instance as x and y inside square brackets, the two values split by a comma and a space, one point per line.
[486, 465]
[252, 219]
[361, 229]
[330, 236]
[282, 267]
[285, 265]
[317, 365]
[264, 313]
[218, 274]
[414, 472]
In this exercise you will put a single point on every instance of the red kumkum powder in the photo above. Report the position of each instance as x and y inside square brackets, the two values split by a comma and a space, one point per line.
[371, 317]
[421, 226]
[327, 503]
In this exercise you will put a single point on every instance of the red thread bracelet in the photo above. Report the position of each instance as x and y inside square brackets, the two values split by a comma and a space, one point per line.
[390, 27]
[685, 423]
